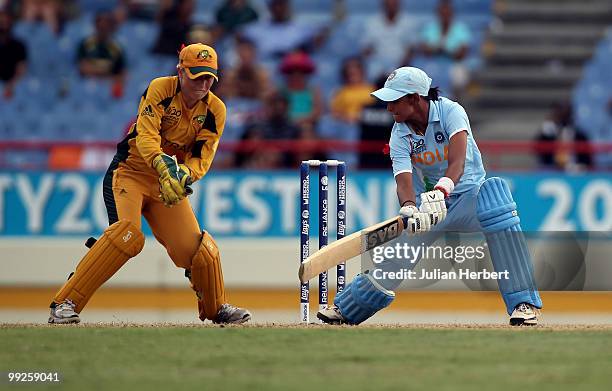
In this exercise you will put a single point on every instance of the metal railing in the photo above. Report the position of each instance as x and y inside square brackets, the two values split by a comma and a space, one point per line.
[496, 154]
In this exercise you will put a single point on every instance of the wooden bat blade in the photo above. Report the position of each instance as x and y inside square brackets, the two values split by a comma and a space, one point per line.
[350, 246]
[330, 256]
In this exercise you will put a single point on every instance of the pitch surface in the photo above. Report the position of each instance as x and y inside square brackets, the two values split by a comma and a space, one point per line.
[281, 357]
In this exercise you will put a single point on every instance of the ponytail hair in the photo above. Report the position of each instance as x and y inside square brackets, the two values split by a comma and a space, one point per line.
[433, 93]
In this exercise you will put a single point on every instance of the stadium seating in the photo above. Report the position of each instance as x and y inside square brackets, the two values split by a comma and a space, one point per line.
[592, 93]
[334, 129]
[54, 103]
[591, 97]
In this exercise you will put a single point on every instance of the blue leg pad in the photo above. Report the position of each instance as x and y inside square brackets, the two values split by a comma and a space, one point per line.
[501, 225]
[362, 298]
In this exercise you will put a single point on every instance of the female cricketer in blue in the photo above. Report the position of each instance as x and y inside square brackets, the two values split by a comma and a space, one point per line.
[435, 157]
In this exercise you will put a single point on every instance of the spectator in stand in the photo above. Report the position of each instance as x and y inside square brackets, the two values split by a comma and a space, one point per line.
[559, 126]
[308, 135]
[604, 134]
[447, 37]
[140, 9]
[606, 131]
[282, 34]
[305, 100]
[248, 79]
[101, 56]
[244, 89]
[275, 125]
[175, 23]
[53, 13]
[347, 102]
[199, 33]
[233, 14]
[49, 11]
[388, 38]
[13, 53]
[375, 126]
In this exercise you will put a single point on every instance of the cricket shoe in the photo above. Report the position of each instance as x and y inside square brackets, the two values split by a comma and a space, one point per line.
[331, 315]
[64, 313]
[231, 314]
[524, 314]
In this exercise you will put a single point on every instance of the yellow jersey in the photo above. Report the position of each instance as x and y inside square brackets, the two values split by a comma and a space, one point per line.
[351, 99]
[165, 124]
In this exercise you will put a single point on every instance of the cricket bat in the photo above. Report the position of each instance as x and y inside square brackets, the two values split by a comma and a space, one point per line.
[351, 246]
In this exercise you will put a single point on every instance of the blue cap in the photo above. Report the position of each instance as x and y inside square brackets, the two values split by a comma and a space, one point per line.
[404, 81]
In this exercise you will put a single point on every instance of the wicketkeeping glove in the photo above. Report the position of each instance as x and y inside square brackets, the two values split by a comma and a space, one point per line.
[174, 179]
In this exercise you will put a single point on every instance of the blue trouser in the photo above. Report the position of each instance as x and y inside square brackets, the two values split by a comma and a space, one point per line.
[492, 203]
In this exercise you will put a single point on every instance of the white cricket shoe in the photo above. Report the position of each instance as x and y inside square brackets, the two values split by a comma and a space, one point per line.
[231, 314]
[331, 315]
[64, 313]
[524, 314]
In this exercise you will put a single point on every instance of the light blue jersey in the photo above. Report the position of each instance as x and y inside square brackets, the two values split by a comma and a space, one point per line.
[475, 205]
[427, 156]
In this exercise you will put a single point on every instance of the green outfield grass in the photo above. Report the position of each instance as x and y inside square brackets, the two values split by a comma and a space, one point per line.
[323, 358]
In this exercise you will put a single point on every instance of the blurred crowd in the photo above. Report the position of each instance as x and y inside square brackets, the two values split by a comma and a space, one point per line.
[275, 74]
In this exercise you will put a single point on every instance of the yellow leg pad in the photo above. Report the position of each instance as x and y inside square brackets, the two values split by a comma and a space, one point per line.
[207, 278]
[120, 242]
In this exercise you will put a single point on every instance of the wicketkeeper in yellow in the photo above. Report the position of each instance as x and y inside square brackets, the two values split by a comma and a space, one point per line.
[171, 145]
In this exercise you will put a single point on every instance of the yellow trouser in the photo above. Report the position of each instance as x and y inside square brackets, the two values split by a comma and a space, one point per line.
[128, 195]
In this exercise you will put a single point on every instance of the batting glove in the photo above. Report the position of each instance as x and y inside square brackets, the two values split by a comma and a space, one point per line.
[416, 220]
[432, 204]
